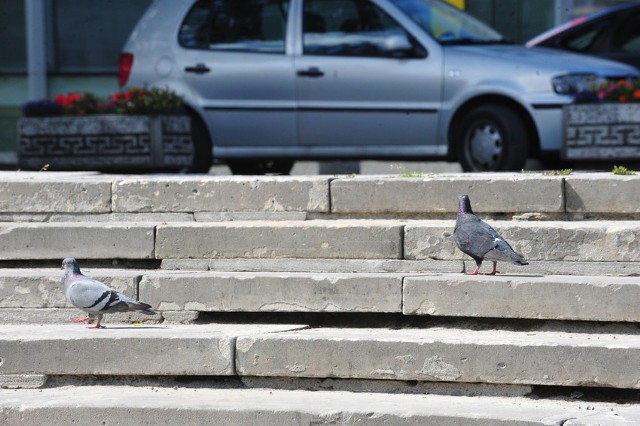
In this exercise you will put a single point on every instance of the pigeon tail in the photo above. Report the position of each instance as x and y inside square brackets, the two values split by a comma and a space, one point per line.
[142, 308]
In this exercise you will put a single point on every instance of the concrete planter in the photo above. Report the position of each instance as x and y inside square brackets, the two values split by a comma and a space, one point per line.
[105, 142]
[606, 131]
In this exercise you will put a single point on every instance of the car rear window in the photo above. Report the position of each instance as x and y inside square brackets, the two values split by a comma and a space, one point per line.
[236, 25]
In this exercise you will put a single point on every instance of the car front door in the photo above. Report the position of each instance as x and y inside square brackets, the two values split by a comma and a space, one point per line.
[365, 86]
[234, 59]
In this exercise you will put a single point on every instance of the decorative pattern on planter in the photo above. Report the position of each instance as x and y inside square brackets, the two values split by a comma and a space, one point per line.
[105, 142]
[605, 131]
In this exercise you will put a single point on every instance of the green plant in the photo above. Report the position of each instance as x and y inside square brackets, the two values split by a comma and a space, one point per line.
[561, 172]
[412, 175]
[621, 170]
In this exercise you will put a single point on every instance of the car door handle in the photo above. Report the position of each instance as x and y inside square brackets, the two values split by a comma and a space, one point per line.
[198, 69]
[311, 72]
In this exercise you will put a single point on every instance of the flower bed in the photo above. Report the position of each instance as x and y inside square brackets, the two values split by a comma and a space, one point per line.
[604, 123]
[138, 130]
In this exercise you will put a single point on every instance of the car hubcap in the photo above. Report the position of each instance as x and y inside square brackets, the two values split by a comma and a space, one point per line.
[485, 146]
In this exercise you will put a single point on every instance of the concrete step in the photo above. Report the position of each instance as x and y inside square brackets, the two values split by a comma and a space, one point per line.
[535, 267]
[587, 241]
[175, 350]
[534, 357]
[36, 296]
[128, 405]
[576, 195]
[436, 354]
[550, 241]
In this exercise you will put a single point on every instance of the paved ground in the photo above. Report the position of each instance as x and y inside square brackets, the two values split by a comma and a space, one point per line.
[371, 167]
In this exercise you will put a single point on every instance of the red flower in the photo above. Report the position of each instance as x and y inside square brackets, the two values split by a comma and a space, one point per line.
[636, 94]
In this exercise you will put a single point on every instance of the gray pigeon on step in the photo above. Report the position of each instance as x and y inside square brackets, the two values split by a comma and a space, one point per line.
[95, 297]
[480, 241]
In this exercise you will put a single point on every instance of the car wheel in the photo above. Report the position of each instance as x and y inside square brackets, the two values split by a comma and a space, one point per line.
[252, 167]
[202, 155]
[492, 138]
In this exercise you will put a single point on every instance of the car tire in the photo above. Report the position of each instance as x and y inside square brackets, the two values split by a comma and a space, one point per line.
[263, 167]
[492, 138]
[202, 155]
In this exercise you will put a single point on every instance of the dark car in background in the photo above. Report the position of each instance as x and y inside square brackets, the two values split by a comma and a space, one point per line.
[612, 33]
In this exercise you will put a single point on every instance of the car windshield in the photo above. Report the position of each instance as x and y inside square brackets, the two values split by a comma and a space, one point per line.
[447, 24]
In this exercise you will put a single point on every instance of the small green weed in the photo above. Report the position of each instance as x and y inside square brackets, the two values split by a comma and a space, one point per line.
[562, 172]
[622, 171]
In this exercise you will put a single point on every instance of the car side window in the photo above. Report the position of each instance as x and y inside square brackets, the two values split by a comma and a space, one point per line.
[583, 40]
[236, 25]
[354, 28]
[627, 38]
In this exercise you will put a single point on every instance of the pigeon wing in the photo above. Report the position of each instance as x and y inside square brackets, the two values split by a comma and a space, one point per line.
[502, 251]
[475, 237]
[95, 297]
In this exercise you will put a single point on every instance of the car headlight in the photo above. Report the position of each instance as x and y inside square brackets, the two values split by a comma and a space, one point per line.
[572, 84]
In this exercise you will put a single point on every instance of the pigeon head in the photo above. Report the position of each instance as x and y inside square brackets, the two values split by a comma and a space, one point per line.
[70, 264]
[464, 205]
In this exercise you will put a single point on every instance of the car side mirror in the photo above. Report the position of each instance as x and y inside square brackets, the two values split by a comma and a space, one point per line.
[401, 46]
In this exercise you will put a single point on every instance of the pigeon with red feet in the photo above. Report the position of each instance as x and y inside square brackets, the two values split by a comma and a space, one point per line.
[480, 241]
[95, 297]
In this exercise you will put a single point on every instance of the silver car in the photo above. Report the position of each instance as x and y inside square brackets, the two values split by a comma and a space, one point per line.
[269, 82]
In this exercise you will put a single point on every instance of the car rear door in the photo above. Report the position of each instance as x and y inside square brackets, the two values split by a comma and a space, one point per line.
[365, 87]
[235, 59]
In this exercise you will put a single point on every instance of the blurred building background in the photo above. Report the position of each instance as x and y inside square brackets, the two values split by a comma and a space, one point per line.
[62, 46]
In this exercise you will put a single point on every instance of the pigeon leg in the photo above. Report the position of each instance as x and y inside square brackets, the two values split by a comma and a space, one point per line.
[493, 272]
[98, 325]
[474, 272]
[78, 320]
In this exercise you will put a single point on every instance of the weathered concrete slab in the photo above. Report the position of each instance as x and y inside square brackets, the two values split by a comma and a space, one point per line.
[592, 241]
[82, 240]
[123, 217]
[446, 354]
[52, 192]
[602, 193]
[386, 386]
[42, 288]
[539, 297]
[22, 381]
[317, 265]
[64, 316]
[126, 405]
[562, 268]
[125, 350]
[427, 266]
[273, 292]
[223, 216]
[221, 194]
[303, 239]
[489, 193]
[97, 217]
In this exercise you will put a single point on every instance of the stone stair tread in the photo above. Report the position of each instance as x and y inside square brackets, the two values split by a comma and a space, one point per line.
[399, 266]
[124, 405]
[125, 349]
[539, 357]
[550, 241]
[466, 355]
[525, 296]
